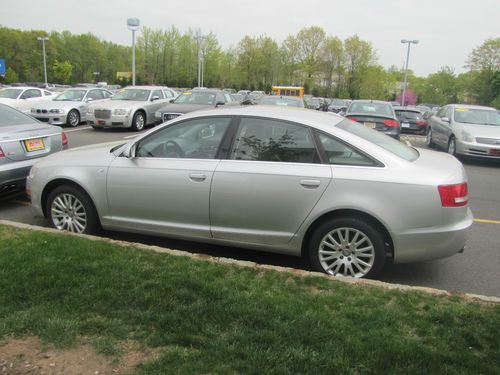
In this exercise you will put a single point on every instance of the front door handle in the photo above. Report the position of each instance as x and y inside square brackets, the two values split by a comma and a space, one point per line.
[310, 184]
[197, 177]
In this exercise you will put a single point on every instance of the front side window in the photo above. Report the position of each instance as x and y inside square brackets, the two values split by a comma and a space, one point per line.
[157, 93]
[95, 95]
[31, 93]
[341, 154]
[193, 139]
[273, 140]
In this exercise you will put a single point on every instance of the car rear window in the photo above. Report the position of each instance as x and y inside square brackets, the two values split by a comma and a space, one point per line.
[380, 139]
[409, 115]
[10, 116]
[371, 108]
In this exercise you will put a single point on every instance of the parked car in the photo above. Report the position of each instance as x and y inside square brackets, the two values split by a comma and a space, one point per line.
[190, 101]
[375, 114]
[285, 101]
[23, 97]
[411, 119]
[466, 130]
[256, 96]
[132, 107]
[23, 141]
[70, 107]
[285, 180]
[337, 106]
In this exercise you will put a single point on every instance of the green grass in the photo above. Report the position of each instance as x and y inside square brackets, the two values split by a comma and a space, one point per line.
[219, 319]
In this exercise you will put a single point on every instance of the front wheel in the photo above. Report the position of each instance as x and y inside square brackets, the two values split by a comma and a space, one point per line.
[139, 121]
[68, 208]
[347, 247]
[73, 118]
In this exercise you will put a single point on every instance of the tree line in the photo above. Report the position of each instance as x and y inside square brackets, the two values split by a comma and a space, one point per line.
[325, 65]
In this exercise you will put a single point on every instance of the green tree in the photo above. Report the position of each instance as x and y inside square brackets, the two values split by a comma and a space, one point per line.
[61, 72]
[11, 76]
[358, 55]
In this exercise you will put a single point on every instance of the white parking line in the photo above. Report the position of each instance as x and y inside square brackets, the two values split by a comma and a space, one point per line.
[131, 136]
[76, 130]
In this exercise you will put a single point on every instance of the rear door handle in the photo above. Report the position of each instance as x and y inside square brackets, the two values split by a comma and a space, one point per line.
[197, 177]
[310, 184]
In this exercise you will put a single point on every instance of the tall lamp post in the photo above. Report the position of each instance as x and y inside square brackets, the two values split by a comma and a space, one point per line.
[133, 25]
[43, 39]
[200, 39]
[409, 42]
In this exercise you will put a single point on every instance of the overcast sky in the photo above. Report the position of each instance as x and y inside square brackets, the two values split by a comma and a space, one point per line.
[447, 30]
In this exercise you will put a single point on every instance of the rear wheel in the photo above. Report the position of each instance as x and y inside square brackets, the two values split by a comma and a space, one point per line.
[73, 118]
[139, 121]
[347, 247]
[68, 208]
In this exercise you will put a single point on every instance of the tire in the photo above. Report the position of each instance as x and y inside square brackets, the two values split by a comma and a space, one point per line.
[428, 139]
[73, 118]
[452, 146]
[329, 254]
[68, 208]
[139, 121]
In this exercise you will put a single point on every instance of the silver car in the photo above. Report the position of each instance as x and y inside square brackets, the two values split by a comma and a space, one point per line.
[70, 107]
[23, 97]
[466, 130]
[132, 107]
[285, 180]
[23, 141]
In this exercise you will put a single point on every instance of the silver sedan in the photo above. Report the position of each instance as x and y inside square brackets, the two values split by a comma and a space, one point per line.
[285, 180]
[466, 130]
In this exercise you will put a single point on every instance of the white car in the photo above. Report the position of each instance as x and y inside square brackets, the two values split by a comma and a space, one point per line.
[23, 97]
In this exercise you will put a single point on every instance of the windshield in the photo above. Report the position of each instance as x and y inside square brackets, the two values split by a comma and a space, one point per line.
[71, 95]
[477, 116]
[371, 108]
[270, 100]
[139, 95]
[10, 116]
[10, 93]
[380, 139]
[191, 97]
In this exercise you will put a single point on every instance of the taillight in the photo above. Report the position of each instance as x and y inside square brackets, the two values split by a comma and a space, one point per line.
[353, 118]
[422, 122]
[392, 123]
[2, 155]
[454, 195]
[64, 139]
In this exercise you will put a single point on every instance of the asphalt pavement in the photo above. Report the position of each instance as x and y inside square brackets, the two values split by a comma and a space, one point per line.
[474, 271]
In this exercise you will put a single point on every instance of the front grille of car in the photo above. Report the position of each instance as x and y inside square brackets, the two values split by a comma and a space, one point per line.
[488, 141]
[43, 119]
[170, 116]
[102, 113]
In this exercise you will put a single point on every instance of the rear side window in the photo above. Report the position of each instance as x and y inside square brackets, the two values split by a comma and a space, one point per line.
[274, 140]
[341, 154]
[390, 144]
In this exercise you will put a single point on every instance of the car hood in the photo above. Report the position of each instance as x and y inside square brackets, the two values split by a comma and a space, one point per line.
[482, 131]
[59, 104]
[114, 104]
[184, 108]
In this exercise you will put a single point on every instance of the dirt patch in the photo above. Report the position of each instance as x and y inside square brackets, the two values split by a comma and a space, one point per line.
[29, 356]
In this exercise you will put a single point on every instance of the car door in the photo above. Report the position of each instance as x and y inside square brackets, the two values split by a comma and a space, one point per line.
[438, 128]
[271, 181]
[154, 105]
[164, 188]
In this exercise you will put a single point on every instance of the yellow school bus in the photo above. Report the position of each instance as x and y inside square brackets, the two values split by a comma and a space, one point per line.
[288, 91]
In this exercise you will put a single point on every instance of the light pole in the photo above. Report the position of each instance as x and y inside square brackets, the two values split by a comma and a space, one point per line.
[200, 39]
[409, 42]
[43, 39]
[133, 25]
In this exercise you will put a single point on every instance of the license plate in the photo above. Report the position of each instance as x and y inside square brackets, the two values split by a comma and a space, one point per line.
[405, 125]
[34, 144]
[370, 125]
[101, 122]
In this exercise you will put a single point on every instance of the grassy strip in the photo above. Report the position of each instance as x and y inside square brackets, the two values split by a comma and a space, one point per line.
[220, 319]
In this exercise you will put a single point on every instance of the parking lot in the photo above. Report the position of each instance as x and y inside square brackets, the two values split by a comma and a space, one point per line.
[474, 271]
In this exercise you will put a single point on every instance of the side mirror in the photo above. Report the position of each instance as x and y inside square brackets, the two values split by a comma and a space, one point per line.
[129, 152]
[219, 103]
[88, 100]
[445, 119]
[156, 97]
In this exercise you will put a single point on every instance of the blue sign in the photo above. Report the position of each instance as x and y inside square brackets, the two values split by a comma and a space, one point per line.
[2, 67]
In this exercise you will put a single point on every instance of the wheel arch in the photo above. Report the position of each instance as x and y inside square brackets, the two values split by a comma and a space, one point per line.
[351, 213]
[144, 112]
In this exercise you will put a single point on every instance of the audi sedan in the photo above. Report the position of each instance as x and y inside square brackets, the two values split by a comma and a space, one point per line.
[375, 114]
[284, 180]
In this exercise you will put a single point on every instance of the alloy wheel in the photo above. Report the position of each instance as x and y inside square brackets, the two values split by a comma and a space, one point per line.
[68, 213]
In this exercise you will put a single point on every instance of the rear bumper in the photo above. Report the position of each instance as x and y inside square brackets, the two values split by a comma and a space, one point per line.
[13, 177]
[431, 243]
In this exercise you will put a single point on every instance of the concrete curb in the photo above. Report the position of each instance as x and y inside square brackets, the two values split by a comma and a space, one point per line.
[361, 282]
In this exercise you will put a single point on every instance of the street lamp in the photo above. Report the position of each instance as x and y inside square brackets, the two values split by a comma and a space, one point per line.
[133, 25]
[43, 39]
[200, 39]
[409, 42]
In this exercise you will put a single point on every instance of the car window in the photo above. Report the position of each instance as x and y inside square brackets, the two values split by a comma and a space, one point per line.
[228, 98]
[31, 93]
[158, 93]
[47, 93]
[448, 112]
[95, 94]
[371, 108]
[106, 94]
[273, 140]
[168, 94]
[192, 139]
[477, 116]
[408, 115]
[341, 154]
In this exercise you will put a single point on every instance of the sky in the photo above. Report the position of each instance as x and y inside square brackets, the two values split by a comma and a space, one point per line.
[447, 30]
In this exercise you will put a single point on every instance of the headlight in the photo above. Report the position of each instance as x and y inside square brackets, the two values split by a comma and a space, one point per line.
[33, 110]
[467, 137]
[58, 111]
[121, 112]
